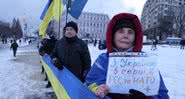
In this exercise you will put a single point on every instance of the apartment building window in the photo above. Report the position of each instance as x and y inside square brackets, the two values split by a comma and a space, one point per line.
[87, 16]
[179, 3]
[100, 25]
[155, 11]
[83, 24]
[87, 30]
[165, 11]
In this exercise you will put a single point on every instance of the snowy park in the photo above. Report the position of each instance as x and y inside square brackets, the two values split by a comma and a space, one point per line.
[21, 76]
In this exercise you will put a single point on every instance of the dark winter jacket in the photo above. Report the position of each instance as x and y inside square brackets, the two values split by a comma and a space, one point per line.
[14, 46]
[47, 46]
[97, 74]
[73, 53]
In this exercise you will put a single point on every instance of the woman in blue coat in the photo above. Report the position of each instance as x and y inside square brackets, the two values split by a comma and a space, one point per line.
[124, 34]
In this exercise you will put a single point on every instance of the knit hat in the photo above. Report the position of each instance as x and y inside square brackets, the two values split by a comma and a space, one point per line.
[123, 24]
[73, 25]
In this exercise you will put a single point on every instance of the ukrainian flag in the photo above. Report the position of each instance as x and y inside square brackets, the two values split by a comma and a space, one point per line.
[45, 9]
[53, 12]
[64, 83]
[75, 7]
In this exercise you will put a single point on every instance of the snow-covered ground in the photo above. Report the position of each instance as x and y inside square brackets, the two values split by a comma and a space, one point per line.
[20, 77]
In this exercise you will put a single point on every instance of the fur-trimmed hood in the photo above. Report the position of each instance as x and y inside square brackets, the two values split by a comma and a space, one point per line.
[139, 33]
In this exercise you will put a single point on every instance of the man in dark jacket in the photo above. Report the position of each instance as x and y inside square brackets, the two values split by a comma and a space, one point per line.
[47, 46]
[14, 46]
[72, 52]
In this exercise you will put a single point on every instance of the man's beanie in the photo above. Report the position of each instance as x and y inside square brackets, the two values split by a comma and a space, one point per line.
[73, 25]
[123, 24]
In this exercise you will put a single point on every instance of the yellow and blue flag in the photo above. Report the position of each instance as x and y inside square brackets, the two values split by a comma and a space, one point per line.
[53, 10]
[65, 84]
[45, 9]
[75, 7]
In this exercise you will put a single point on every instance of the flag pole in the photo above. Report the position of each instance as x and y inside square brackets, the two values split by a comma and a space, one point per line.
[67, 9]
[59, 17]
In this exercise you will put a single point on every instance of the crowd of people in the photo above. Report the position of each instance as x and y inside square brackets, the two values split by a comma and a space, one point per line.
[124, 34]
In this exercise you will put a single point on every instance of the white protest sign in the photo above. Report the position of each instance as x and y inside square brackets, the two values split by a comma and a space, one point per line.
[133, 72]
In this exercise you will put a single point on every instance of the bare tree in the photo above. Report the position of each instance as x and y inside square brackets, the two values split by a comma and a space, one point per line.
[19, 32]
[166, 24]
[16, 29]
[5, 30]
[179, 19]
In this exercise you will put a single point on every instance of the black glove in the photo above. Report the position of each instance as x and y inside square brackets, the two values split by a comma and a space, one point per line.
[82, 79]
[56, 62]
[42, 51]
[134, 94]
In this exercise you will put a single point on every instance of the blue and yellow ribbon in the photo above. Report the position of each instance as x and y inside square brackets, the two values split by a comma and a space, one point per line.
[64, 83]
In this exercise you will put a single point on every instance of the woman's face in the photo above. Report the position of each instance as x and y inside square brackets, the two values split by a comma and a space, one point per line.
[70, 32]
[124, 38]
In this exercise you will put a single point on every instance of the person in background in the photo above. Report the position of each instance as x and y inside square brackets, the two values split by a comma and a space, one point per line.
[124, 34]
[20, 41]
[95, 42]
[14, 46]
[72, 52]
[182, 43]
[155, 44]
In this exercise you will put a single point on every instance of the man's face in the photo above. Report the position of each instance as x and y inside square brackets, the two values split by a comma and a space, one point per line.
[70, 32]
[124, 38]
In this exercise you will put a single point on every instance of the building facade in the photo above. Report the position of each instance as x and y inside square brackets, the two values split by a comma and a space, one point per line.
[91, 25]
[153, 9]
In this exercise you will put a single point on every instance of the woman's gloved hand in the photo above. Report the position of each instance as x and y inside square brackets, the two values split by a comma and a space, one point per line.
[134, 94]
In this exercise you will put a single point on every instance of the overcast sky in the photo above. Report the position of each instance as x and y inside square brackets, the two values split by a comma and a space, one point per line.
[112, 7]
[32, 9]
